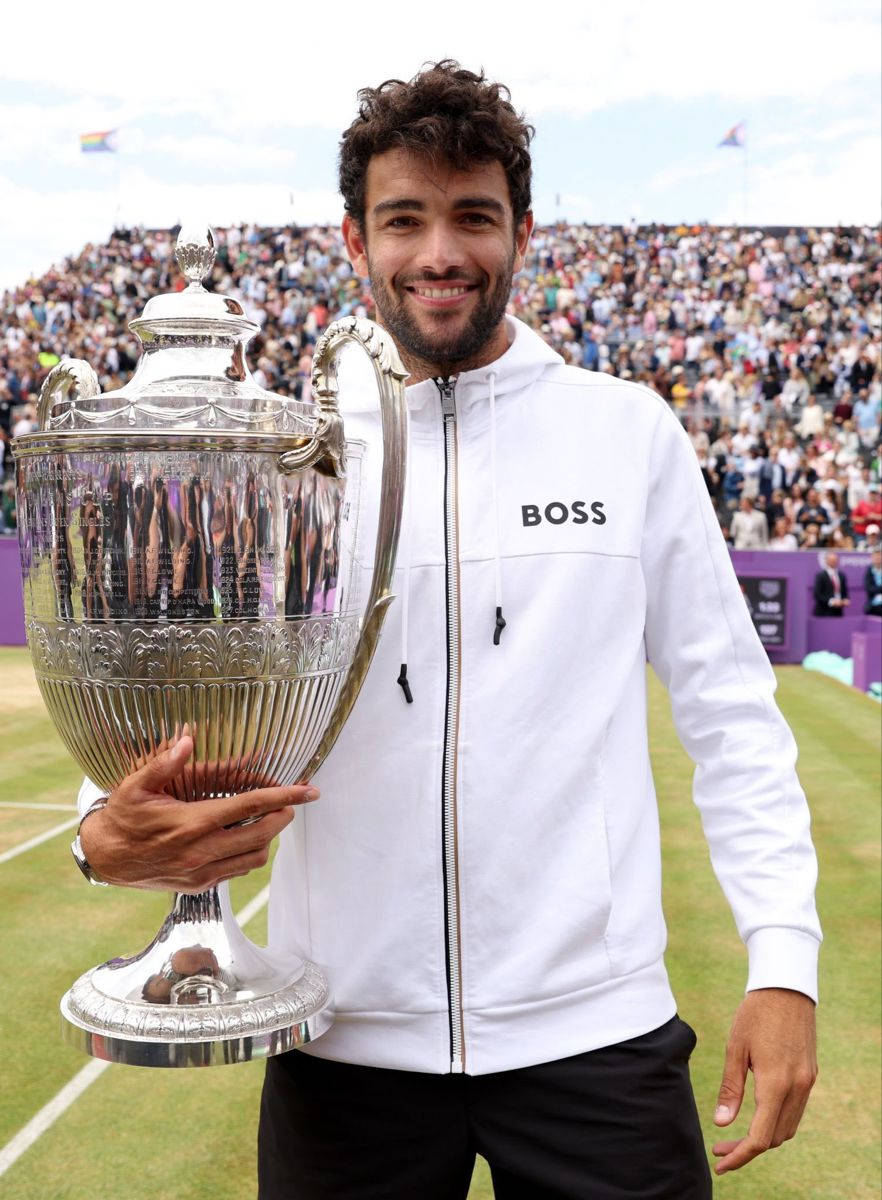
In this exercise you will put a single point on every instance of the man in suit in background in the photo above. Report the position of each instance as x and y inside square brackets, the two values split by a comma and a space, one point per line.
[831, 588]
[873, 585]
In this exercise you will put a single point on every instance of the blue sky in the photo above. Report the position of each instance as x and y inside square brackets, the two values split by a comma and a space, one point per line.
[238, 118]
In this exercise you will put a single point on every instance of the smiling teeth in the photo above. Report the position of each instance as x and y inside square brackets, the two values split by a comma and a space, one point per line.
[440, 293]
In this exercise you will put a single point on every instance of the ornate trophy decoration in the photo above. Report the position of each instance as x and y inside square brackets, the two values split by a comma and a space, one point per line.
[190, 560]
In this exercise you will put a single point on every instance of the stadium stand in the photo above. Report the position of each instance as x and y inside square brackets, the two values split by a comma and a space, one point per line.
[765, 342]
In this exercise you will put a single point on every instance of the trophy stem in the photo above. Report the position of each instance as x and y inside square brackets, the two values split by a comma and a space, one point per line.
[200, 994]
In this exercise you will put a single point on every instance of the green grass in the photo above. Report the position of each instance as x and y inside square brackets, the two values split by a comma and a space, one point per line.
[137, 1134]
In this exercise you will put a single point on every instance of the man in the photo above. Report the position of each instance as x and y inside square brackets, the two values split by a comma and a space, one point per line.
[482, 876]
[867, 511]
[814, 512]
[873, 585]
[749, 528]
[831, 588]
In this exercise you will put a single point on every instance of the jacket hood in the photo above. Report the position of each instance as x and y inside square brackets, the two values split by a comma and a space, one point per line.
[527, 356]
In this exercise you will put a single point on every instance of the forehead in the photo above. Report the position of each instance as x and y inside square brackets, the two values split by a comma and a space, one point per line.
[400, 175]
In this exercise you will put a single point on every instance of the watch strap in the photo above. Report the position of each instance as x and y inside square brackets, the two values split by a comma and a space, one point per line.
[76, 846]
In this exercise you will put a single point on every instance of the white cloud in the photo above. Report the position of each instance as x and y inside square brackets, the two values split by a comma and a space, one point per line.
[674, 176]
[218, 152]
[839, 185]
[587, 62]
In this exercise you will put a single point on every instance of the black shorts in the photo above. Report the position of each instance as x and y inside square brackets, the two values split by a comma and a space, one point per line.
[610, 1124]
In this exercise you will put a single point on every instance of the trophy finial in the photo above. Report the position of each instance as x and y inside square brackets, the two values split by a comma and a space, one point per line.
[195, 252]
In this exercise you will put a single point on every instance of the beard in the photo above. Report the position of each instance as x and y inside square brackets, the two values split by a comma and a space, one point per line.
[446, 351]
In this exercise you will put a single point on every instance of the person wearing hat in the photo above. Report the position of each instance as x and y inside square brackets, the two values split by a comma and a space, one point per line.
[871, 540]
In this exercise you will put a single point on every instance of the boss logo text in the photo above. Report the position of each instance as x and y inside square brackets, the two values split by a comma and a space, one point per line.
[558, 513]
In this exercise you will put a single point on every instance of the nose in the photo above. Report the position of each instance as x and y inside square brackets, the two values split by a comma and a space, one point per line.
[440, 250]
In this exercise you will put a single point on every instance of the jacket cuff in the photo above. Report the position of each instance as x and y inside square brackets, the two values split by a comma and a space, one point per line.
[88, 794]
[783, 958]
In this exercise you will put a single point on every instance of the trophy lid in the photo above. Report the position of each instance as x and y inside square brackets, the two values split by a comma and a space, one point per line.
[192, 375]
[195, 254]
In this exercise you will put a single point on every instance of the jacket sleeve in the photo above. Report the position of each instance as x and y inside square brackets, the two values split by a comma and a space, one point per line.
[701, 643]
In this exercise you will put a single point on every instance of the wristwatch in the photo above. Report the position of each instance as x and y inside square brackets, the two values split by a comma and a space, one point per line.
[76, 846]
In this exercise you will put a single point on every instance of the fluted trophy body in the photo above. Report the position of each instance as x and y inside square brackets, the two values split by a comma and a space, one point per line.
[192, 559]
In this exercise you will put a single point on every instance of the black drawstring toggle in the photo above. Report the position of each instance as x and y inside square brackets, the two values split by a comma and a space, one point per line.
[500, 625]
[404, 685]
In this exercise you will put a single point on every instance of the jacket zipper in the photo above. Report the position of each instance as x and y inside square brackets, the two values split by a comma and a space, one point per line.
[451, 730]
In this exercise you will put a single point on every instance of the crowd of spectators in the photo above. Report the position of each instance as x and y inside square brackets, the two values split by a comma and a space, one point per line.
[765, 343]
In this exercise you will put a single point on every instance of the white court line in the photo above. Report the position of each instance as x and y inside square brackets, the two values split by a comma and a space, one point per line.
[36, 805]
[63, 1099]
[39, 839]
[253, 907]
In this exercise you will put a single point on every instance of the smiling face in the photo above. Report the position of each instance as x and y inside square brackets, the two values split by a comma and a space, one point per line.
[440, 247]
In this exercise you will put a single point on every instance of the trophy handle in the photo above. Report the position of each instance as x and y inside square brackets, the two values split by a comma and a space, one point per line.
[390, 375]
[72, 379]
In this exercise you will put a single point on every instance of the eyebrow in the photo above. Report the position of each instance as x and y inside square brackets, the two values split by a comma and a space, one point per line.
[465, 202]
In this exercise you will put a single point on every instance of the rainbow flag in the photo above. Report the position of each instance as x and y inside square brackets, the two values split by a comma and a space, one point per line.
[735, 136]
[98, 143]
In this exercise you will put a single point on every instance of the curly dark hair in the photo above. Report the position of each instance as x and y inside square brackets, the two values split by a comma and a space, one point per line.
[446, 114]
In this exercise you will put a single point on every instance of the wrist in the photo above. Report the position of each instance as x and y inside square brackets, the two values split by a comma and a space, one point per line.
[80, 852]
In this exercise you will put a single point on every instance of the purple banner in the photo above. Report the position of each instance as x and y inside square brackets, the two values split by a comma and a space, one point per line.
[805, 631]
[12, 628]
[797, 631]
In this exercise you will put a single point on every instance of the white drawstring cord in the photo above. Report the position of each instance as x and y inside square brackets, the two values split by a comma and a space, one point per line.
[406, 539]
[500, 620]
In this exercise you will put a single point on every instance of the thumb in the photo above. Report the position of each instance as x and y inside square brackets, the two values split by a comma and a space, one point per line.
[163, 768]
[731, 1091]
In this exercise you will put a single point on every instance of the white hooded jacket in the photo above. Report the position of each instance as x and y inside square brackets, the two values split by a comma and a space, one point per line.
[481, 877]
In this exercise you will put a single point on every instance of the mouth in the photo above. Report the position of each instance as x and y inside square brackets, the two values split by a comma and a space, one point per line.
[433, 295]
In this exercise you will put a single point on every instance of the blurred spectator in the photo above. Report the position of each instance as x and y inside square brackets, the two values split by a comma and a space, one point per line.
[811, 423]
[873, 585]
[749, 529]
[831, 588]
[782, 538]
[866, 416]
[7, 508]
[871, 540]
[867, 511]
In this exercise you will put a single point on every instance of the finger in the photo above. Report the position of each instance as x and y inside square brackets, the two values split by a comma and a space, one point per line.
[731, 1091]
[791, 1113]
[230, 810]
[758, 1140]
[721, 1148]
[160, 770]
[225, 868]
[244, 839]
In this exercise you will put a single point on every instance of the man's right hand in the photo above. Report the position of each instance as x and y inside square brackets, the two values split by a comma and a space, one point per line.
[147, 838]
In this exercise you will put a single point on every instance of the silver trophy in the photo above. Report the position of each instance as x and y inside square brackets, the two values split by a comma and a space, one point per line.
[191, 557]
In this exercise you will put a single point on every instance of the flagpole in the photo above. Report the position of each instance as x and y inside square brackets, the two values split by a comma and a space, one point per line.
[744, 205]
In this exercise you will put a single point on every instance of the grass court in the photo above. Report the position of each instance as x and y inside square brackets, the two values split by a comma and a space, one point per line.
[136, 1134]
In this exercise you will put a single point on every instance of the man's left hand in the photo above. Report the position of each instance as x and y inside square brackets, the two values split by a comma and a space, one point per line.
[773, 1035]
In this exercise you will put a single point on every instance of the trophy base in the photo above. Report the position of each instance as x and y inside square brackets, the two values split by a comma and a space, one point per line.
[200, 995]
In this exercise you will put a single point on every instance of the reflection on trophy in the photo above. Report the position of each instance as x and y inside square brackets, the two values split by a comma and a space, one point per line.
[191, 560]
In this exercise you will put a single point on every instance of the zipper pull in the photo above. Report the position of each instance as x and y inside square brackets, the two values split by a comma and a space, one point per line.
[404, 685]
[445, 387]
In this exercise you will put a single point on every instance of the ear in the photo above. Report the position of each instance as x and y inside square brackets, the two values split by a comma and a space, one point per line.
[356, 245]
[522, 239]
